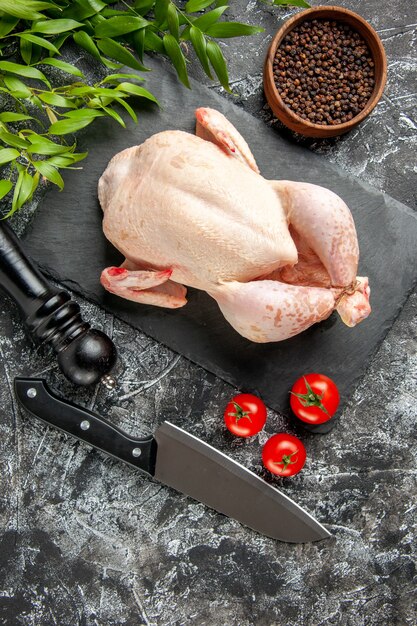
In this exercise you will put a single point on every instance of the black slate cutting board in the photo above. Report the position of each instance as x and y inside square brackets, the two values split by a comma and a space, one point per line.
[66, 240]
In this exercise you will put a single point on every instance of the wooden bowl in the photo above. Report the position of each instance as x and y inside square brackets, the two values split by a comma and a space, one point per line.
[283, 112]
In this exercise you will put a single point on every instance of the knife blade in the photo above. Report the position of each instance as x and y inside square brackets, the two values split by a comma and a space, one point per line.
[182, 461]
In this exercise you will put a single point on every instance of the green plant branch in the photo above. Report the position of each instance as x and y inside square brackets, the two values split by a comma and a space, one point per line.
[115, 36]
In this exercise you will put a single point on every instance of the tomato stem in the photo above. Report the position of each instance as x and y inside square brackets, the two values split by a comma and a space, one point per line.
[311, 398]
[239, 412]
[286, 460]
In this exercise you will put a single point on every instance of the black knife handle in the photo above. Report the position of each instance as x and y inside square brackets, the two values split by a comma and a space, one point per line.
[51, 317]
[35, 396]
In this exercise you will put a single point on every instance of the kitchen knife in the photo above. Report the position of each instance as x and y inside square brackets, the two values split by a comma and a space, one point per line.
[182, 461]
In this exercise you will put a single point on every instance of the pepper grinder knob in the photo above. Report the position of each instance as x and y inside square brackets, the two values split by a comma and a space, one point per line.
[85, 355]
[89, 358]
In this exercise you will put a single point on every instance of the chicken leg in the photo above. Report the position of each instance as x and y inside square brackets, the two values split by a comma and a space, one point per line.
[324, 222]
[278, 306]
[268, 310]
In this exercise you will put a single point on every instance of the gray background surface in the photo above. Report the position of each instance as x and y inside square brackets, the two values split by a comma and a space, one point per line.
[85, 540]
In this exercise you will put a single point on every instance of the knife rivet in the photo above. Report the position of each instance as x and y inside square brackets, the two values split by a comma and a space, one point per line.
[136, 452]
[85, 425]
[31, 393]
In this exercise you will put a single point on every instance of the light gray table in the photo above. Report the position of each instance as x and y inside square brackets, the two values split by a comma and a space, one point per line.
[85, 540]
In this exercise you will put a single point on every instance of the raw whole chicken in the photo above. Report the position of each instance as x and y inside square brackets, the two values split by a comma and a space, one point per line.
[277, 256]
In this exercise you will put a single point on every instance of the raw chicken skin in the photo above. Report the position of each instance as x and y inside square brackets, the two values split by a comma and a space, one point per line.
[179, 202]
[277, 256]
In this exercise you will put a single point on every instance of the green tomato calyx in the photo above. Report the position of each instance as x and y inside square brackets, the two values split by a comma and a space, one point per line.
[240, 413]
[311, 398]
[286, 460]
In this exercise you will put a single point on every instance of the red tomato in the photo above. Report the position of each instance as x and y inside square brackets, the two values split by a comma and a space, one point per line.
[314, 398]
[245, 415]
[284, 455]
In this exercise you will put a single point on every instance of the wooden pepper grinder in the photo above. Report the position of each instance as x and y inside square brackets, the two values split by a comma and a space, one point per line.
[85, 355]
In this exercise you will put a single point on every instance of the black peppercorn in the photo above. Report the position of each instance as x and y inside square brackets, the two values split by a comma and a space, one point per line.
[327, 68]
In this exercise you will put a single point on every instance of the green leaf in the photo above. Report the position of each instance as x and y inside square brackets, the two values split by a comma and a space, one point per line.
[206, 20]
[5, 186]
[17, 87]
[114, 78]
[51, 115]
[55, 99]
[110, 13]
[33, 137]
[86, 42]
[173, 50]
[25, 9]
[59, 162]
[112, 113]
[111, 64]
[232, 29]
[23, 70]
[13, 117]
[143, 6]
[173, 21]
[153, 42]
[61, 39]
[218, 62]
[62, 65]
[101, 17]
[135, 90]
[121, 25]
[116, 51]
[183, 19]
[55, 27]
[38, 147]
[36, 53]
[25, 191]
[82, 9]
[83, 90]
[49, 172]
[138, 42]
[292, 3]
[83, 114]
[35, 183]
[98, 5]
[26, 51]
[100, 101]
[64, 127]
[128, 108]
[17, 189]
[8, 154]
[44, 43]
[7, 24]
[22, 191]
[77, 156]
[66, 160]
[102, 92]
[200, 46]
[161, 10]
[38, 103]
[13, 140]
[193, 6]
